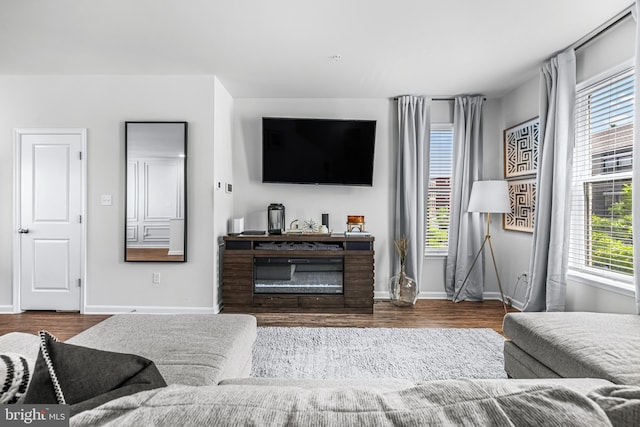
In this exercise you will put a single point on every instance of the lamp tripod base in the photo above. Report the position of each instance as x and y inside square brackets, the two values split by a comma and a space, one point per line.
[487, 239]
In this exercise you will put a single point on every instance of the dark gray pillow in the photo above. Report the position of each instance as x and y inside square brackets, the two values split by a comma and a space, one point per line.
[85, 377]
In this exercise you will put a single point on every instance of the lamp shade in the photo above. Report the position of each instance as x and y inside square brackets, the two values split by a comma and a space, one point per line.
[489, 196]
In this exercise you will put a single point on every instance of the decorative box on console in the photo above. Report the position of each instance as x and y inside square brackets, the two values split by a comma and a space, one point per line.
[355, 223]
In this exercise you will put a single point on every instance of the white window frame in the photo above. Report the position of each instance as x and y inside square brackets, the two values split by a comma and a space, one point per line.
[602, 279]
[437, 251]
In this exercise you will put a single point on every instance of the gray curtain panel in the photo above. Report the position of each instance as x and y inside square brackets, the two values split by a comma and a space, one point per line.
[466, 230]
[636, 169]
[548, 281]
[412, 174]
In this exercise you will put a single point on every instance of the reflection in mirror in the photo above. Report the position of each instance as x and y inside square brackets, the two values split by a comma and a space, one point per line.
[156, 191]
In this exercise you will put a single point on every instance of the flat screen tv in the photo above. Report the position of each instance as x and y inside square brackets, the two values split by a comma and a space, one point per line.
[318, 151]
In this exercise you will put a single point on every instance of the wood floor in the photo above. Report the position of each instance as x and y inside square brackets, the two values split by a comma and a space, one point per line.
[425, 314]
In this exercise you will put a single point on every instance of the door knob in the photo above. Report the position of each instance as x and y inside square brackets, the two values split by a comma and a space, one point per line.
[23, 230]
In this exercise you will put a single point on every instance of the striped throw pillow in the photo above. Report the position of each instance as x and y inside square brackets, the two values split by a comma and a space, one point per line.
[14, 378]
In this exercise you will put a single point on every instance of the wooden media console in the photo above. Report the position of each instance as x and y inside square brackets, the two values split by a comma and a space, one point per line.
[298, 273]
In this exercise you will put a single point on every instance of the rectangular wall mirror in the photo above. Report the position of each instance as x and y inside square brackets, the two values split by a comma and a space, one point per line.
[156, 191]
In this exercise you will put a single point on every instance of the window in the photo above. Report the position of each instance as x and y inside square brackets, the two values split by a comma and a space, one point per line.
[601, 240]
[438, 204]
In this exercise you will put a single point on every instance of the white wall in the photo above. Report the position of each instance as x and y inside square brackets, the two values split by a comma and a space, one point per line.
[102, 104]
[493, 169]
[225, 147]
[513, 248]
[223, 174]
[302, 202]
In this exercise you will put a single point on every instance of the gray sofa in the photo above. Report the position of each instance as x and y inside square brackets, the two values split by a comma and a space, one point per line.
[573, 345]
[206, 359]
[188, 349]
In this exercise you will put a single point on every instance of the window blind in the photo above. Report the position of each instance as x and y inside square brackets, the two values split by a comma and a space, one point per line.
[601, 240]
[438, 202]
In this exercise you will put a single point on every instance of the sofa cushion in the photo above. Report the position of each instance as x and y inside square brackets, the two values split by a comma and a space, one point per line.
[448, 402]
[621, 403]
[85, 378]
[520, 364]
[580, 385]
[192, 349]
[364, 383]
[578, 345]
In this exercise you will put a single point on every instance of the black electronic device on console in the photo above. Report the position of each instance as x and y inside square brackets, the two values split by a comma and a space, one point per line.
[254, 232]
[318, 151]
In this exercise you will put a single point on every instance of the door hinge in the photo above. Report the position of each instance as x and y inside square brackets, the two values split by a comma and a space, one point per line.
[79, 283]
[80, 155]
[80, 219]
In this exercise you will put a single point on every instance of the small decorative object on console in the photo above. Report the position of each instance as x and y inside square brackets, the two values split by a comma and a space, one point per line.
[275, 218]
[311, 226]
[355, 223]
[236, 226]
[308, 227]
[294, 228]
[325, 219]
[403, 290]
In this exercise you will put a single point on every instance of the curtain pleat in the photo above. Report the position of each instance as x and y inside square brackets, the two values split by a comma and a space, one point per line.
[412, 172]
[548, 269]
[465, 229]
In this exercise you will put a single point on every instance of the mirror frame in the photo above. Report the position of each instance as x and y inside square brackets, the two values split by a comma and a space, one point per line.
[127, 142]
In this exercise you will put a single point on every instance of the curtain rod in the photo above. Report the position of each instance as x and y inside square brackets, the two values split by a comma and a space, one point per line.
[619, 18]
[395, 98]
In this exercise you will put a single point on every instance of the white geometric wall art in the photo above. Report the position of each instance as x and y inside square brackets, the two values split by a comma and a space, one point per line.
[521, 149]
[522, 195]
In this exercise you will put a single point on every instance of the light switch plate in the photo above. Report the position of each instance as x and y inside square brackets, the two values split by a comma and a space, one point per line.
[105, 200]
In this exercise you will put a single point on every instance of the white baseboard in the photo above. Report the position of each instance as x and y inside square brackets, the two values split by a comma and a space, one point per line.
[491, 295]
[119, 309]
[7, 309]
[384, 295]
[517, 304]
[381, 295]
[432, 295]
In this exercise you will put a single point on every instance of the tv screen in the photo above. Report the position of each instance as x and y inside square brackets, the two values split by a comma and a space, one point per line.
[318, 151]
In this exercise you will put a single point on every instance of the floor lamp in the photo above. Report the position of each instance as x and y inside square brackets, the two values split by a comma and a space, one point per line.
[487, 197]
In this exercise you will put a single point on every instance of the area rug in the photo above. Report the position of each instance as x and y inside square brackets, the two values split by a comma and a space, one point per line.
[409, 353]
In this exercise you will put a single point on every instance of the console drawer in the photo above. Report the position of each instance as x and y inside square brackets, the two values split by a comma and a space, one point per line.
[275, 301]
[321, 301]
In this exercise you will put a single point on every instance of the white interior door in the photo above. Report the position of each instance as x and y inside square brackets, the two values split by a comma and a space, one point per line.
[50, 206]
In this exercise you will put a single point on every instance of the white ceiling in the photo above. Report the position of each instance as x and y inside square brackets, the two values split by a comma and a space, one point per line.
[282, 48]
